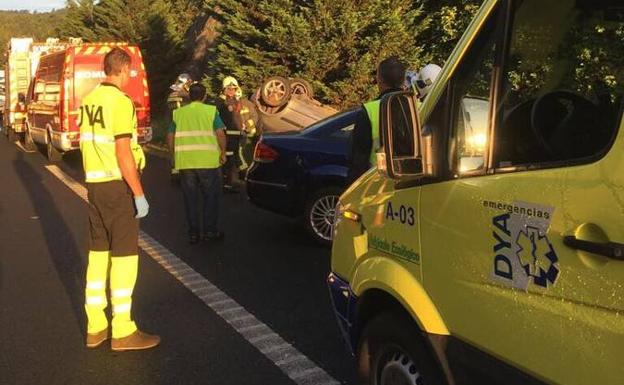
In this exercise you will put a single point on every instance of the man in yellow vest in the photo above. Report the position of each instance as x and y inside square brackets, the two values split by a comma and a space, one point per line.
[112, 161]
[365, 139]
[197, 139]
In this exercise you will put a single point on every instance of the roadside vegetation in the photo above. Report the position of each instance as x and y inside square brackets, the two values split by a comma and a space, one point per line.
[335, 45]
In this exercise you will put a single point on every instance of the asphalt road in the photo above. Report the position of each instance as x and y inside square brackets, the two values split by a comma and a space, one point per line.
[266, 264]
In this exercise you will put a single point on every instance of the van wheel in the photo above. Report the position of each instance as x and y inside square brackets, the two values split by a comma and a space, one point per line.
[53, 154]
[29, 143]
[392, 352]
[11, 135]
[319, 214]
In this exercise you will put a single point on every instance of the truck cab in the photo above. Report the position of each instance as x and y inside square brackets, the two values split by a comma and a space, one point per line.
[487, 245]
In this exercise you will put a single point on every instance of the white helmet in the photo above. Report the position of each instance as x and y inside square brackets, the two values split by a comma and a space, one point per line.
[182, 80]
[427, 76]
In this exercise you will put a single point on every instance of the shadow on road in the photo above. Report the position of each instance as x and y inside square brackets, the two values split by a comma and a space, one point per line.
[58, 236]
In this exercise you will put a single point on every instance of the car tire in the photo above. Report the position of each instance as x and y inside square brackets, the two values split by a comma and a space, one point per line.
[392, 350]
[275, 91]
[319, 214]
[52, 153]
[299, 86]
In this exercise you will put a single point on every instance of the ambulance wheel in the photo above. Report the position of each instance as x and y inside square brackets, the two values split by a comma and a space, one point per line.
[53, 154]
[275, 91]
[319, 214]
[392, 351]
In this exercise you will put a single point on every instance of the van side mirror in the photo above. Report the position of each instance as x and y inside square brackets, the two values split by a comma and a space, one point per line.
[402, 153]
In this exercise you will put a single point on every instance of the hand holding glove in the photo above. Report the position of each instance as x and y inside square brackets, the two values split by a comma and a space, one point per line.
[142, 207]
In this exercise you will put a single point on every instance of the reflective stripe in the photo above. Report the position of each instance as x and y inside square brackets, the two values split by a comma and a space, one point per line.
[196, 147]
[95, 300]
[90, 137]
[121, 293]
[123, 308]
[92, 175]
[96, 285]
[229, 153]
[183, 134]
[232, 132]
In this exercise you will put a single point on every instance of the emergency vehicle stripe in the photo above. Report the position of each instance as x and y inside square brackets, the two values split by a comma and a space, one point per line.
[286, 357]
[195, 147]
[89, 50]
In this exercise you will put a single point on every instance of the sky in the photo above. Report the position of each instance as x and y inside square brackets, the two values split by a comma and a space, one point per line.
[32, 5]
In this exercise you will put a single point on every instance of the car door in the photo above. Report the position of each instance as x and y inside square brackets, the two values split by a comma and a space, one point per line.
[500, 250]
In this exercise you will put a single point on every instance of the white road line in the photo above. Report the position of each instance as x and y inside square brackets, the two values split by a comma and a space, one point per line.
[282, 354]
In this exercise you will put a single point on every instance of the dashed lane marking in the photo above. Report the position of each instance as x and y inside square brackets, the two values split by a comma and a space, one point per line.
[286, 357]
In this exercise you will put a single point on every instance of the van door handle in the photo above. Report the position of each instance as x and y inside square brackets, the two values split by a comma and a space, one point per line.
[608, 249]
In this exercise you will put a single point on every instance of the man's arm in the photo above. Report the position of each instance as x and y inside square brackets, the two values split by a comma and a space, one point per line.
[219, 128]
[221, 138]
[127, 165]
[171, 137]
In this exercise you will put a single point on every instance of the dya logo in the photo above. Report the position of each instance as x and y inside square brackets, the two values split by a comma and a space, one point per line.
[522, 252]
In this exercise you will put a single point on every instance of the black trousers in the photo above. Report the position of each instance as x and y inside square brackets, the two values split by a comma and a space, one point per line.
[112, 223]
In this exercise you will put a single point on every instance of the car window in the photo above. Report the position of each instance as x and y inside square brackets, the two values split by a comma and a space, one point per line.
[563, 80]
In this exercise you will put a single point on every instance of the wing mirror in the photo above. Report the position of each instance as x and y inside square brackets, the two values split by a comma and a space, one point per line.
[401, 155]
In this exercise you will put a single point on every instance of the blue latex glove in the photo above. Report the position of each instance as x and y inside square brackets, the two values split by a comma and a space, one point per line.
[142, 207]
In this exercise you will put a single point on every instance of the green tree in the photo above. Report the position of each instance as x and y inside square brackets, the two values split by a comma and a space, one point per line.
[334, 45]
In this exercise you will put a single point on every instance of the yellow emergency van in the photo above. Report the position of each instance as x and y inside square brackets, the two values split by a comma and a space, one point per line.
[487, 246]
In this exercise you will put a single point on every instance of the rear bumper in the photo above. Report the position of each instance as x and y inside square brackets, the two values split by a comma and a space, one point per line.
[344, 304]
[68, 141]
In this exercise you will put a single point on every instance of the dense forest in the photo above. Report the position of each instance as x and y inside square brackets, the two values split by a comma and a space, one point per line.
[335, 45]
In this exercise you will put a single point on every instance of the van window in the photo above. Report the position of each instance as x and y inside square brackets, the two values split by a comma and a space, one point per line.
[472, 90]
[563, 82]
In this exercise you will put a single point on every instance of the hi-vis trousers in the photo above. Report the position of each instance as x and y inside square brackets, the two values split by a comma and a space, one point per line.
[113, 240]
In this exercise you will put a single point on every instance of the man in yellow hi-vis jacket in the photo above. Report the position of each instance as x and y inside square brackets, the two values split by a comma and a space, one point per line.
[112, 161]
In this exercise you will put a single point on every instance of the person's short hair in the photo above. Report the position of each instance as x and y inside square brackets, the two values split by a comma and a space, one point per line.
[115, 60]
[197, 92]
[392, 72]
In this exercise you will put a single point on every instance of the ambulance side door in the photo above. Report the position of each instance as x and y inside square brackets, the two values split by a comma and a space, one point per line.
[538, 172]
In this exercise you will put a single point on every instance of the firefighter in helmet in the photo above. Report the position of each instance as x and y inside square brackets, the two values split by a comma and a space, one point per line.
[240, 118]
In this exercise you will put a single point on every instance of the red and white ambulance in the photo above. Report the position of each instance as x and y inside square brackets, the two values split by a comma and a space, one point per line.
[61, 81]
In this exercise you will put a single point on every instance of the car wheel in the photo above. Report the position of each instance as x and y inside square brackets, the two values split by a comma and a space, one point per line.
[275, 91]
[301, 87]
[392, 352]
[320, 212]
[53, 154]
